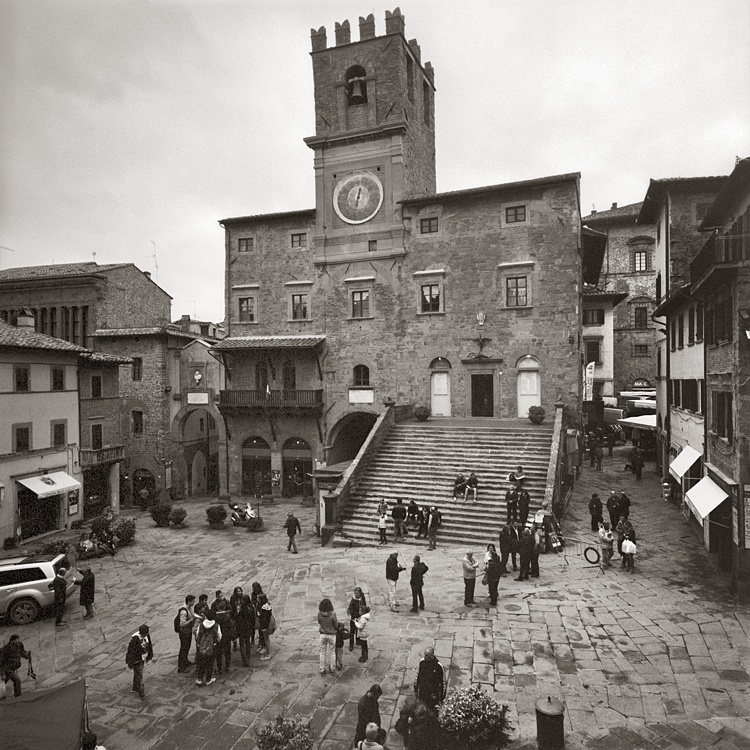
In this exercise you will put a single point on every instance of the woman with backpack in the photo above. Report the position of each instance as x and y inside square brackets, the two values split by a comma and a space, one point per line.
[266, 626]
[206, 642]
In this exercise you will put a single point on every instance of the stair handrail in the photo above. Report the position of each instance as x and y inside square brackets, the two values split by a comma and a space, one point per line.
[553, 488]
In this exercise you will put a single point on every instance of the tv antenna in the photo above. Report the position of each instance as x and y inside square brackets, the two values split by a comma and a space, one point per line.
[2, 247]
[156, 265]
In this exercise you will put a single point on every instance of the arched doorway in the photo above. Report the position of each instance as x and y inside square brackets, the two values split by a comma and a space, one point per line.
[440, 387]
[198, 475]
[256, 467]
[529, 392]
[297, 465]
[347, 437]
[143, 479]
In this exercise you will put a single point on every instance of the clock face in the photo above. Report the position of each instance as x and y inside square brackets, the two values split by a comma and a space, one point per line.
[358, 197]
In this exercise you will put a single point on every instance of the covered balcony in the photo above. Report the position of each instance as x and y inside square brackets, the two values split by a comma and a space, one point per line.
[722, 251]
[268, 400]
[97, 456]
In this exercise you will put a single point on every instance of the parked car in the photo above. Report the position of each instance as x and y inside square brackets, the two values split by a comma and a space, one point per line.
[24, 585]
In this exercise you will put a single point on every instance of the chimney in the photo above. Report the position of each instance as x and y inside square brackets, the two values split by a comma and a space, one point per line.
[614, 206]
[147, 274]
[26, 319]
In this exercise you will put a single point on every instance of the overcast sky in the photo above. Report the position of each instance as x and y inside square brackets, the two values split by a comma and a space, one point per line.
[124, 124]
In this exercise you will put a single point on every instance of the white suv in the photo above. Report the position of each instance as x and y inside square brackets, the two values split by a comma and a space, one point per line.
[24, 585]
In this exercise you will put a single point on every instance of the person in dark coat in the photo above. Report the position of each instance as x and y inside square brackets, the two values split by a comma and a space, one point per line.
[523, 507]
[412, 513]
[418, 571]
[595, 511]
[494, 570]
[424, 730]
[60, 586]
[292, 529]
[515, 541]
[87, 584]
[368, 711]
[613, 508]
[434, 519]
[10, 662]
[356, 604]
[506, 545]
[140, 650]
[525, 549]
[610, 440]
[459, 486]
[511, 504]
[245, 620]
[430, 682]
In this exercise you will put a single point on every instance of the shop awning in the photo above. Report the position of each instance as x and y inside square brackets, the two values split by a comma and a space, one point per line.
[704, 497]
[679, 467]
[54, 483]
[642, 422]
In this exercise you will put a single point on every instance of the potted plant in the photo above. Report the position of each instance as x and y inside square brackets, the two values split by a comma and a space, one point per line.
[536, 414]
[472, 720]
[421, 413]
[255, 523]
[160, 513]
[389, 401]
[124, 530]
[177, 516]
[216, 515]
[285, 734]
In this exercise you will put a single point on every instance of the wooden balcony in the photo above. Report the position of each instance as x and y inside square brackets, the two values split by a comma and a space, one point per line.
[95, 457]
[720, 251]
[271, 400]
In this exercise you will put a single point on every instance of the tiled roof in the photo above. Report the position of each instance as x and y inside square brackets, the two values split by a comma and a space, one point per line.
[602, 294]
[24, 338]
[275, 216]
[737, 185]
[268, 342]
[657, 189]
[614, 215]
[64, 269]
[105, 359]
[153, 331]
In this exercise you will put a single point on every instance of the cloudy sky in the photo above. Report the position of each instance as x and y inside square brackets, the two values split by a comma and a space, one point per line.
[128, 129]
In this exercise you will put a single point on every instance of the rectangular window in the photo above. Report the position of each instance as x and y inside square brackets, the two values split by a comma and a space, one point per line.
[640, 316]
[640, 260]
[430, 298]
[137, 368]
[516, 291]
[721, 420]
[299, 307]
[681, 332]
[21, 438]
[691, 326]
[58, 378]
[690, 395]
[708, 330]
[672, 335]
[658, 362]
[97, 440]
[96, 386]
[299, 239]
[372, 245]
[428, 226]
[53, 321]
[361, 304]
[720, 333]
[246, 244]
[247, 309]
[137, 422]
[593, 350]
[593, 317]
[21, 377]
[515, 214]
[640, 350]
[59, 434]
[75, 324]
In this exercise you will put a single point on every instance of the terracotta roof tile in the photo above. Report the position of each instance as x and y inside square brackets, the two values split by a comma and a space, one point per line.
[23, 338]
[268, 342]
[64, 269]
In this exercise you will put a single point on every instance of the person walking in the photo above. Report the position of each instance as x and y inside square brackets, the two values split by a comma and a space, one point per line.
[10, 662]
[368, 711]
[525, 551]
[265, 626]
[60, 586]
[292, 529]
[493, 570]
[433, 524]
[606, 540]
[140, 651]
[430, 683]
[599, 455]
[418, 570]
[392, 570]
[595, 511]
[327, 627]
[469, 565]
[207, 639]
[88, 586]
[398, 514]
[624, 530]
[362, 626]
[185, 619]
[523, 507]
[638, 462]
[610, 440]
[629, 549]
[245, 622]
[354, 610]
[613, 508]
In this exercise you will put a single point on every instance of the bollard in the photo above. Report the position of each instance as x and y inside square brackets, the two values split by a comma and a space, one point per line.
[550, 733]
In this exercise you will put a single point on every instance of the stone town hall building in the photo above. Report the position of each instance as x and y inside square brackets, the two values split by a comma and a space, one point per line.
[467, 302]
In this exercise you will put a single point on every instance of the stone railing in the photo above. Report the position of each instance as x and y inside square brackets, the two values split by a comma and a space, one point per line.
[94, 457]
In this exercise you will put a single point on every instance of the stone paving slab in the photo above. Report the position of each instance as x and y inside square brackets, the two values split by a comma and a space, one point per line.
[655, 659]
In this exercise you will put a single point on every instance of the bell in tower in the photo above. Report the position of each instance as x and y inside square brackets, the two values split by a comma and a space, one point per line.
[356, 85]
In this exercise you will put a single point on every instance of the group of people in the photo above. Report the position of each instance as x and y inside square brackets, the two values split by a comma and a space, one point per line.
[425, 520]
[618, 510]
[221, 627]
[334, 634]
[462, 487]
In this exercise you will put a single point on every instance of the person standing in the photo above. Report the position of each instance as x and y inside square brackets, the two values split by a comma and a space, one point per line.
[613, 508]
[629, 544]
[292, 529]
[433, 524]
[398, 514]
[469, 565]
[515, 541]
[356, 604]
[368, 711]
[362, 625]
[599, 455]
[606, 541]
[392, 570]
[245, 622]
[382, 526]
[523, 506]
[430, 683]
[140, 651]
[327, 627]
[595, 511]
[494, 570]
[511, 504]
[610, 440]
[207, 639]
[418, 571]
[10, 662]
[221, 611]
[592, 449]
[638, 462]
[60, 586]
[342, 635]
[538, 535]
[235, 601]
[525, 551]
[265, 628]
[186, 617]
[624, 531]
[88, 585]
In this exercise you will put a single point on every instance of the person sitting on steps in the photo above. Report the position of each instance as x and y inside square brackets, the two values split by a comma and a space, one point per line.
[472, 483]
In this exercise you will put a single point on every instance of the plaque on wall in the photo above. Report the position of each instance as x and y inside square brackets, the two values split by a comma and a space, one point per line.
[357, 396]
[746, 498]
[197, 397]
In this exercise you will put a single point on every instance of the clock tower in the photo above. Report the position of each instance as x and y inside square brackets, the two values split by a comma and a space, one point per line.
[374, 139]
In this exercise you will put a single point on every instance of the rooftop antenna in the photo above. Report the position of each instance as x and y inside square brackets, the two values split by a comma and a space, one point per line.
[156, 265]
[2, 247]
[93, 255]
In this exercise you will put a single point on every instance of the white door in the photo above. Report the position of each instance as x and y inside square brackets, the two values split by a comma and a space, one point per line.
[528, 391]
[440, 388]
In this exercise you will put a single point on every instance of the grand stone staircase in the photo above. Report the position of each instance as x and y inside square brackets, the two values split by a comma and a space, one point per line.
[420, 461]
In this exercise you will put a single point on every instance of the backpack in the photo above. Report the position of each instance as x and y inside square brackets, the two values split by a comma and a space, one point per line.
[206, 642]
[177, 628]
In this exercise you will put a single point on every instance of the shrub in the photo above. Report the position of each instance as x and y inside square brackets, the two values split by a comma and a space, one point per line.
[177, 516]
[216, 513]
[124, 530]
[421, 413]
[55, 547]
[10, 542]
[160, 513]
[285, 734]
[77, 524]
[473, 720]
[101, 526]
[536, 414]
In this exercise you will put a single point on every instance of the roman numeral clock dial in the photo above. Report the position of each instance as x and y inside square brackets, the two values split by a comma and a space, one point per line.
[358, 197]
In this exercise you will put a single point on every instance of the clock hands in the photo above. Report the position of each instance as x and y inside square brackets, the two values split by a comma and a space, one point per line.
[357, 197]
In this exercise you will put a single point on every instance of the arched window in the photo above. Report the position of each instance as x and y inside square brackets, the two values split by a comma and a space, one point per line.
[440, 363]
[361, 375]
[356, 85]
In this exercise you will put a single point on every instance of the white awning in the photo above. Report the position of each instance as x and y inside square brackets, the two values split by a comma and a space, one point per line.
[679, 467]
[54, 483]
[704, 497]
[642, 422]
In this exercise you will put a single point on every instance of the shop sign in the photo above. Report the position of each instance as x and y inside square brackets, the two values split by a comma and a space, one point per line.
[73, 503]
[746, 497]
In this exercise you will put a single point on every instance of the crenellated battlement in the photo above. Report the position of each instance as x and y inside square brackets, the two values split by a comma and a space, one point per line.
[395, 23]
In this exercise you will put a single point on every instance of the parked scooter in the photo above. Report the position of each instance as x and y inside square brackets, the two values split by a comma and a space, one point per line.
[242, 516]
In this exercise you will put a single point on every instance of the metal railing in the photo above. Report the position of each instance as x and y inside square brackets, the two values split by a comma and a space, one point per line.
[95, 456]
[720, 248]
[271, 399]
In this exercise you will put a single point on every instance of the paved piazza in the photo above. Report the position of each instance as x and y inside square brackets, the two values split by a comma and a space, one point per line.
[655, 659]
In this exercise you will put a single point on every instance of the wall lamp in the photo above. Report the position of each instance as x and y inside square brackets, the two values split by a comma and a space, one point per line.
[744, 314]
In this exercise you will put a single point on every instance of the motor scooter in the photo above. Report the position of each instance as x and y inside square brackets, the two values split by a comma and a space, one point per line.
[242, 516]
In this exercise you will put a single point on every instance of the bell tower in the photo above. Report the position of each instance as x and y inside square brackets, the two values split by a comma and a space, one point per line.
[374, 139]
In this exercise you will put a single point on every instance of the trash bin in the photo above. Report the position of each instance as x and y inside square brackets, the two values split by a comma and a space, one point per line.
[550, 715]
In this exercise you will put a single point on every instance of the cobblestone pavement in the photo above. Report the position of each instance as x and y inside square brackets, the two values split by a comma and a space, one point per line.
[654, 659]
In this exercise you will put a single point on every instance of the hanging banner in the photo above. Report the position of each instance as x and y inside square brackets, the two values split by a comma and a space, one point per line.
[588, 382]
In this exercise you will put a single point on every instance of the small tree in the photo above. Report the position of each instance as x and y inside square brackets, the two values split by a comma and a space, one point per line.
[177, 516]
[160, 513]
[285, 734]
[473, 720]
[124, 530]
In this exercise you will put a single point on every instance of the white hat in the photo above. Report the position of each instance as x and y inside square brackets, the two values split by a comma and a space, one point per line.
[208, 623]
